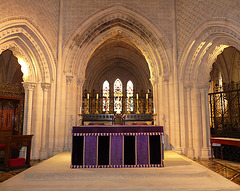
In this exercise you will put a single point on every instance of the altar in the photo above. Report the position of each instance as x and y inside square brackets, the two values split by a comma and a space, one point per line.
[117, 146]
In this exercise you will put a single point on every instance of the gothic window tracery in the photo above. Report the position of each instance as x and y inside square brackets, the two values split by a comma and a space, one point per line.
[105, 95]
[129, 96]
[118, 95]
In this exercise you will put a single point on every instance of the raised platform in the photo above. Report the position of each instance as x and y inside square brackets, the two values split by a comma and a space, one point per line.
[179, 173]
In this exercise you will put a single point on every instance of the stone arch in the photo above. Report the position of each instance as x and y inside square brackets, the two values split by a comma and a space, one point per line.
[118, 22]
[204, 46]
[27, 43]
[33, 52]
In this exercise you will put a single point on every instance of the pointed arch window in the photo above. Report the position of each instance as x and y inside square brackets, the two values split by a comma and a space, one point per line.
[129, 96]
[118, 95]
[105, 95]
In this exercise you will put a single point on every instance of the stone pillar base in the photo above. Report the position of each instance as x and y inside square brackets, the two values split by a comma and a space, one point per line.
[191, 153]
[205, 154]
[178, 150]
[43, 154]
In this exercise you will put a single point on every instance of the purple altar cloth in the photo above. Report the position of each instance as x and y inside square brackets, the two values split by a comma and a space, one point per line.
[142, 149]
[93, 130]
[116, 150]
[90, 150]
[116, 147]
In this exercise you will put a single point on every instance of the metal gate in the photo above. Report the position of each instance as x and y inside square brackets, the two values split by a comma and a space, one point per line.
[225, 111]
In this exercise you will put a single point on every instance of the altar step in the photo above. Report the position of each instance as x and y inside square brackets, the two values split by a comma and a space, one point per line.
[110, 174]
[179, 173]
[58, 168]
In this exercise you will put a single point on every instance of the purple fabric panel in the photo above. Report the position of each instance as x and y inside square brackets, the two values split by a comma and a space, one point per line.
[117, 129]
[116, 150]
[142, 149]
[90, 150]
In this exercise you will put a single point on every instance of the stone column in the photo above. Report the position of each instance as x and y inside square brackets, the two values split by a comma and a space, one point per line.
[27, 124]
[80, 82]
[196, 121]
[205, 121]
[165, 117]
[190, 131]
[154, 82]
[43, 151]
[67, 131]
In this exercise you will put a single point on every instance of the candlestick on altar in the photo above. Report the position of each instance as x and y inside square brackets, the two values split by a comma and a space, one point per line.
[87, 108]
[80, 118]
[96, 112]
[128, 102]
[154, 118]
[107, 112]
[147, 111]
[137, 105]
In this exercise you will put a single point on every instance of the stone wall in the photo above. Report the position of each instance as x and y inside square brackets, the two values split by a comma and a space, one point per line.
[157, 11]
[43, 14]
[191, 14]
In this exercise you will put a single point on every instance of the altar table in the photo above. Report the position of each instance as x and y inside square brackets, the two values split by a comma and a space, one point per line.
[116, 146]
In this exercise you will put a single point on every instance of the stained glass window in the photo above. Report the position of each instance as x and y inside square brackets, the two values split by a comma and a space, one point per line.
[129, 96]
[118, 95]
[105, 95]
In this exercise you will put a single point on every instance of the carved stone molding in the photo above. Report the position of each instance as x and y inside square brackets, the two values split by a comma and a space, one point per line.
[80, 81]
[45, 87]
[69, 80]
[29, 86]
[23, 29]
[154, 80]
[118, 24]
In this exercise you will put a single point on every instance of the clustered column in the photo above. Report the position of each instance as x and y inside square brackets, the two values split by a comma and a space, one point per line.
[43, 151]
[29, 87]
[205, 121]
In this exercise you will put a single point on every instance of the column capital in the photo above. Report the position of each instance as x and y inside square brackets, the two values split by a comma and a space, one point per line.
[188, 85]
[80, 81]
[45, 87]
[203, 85]
[29, 85]
[69, 80]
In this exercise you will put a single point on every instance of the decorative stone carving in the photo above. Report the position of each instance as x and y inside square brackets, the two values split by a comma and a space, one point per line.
[45, 87]
[80, 81]
[69, 80]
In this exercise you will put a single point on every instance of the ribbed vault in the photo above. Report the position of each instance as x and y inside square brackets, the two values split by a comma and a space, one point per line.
[116, 58]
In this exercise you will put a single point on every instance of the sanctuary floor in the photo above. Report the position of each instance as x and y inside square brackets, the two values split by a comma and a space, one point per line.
[179, 173]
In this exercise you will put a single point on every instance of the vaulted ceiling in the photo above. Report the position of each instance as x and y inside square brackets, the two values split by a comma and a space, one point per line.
[227, 65]
[117, 58]
[10, 70]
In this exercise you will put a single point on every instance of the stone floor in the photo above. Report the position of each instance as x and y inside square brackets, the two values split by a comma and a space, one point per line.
[179, 173]
[227, 169]
[6, 175]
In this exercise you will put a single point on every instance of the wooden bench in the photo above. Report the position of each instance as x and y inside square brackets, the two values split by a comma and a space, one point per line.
[223, 141]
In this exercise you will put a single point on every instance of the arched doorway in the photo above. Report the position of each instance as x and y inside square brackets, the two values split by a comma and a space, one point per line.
[206, 44]
[38, 66]
[11, 95]
[116, 59]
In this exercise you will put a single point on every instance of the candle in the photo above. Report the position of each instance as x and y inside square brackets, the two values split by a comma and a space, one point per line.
[97, 96]
[80, 110]
[87, 96]
[137, 96]
[146, 96]
[154, 110]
